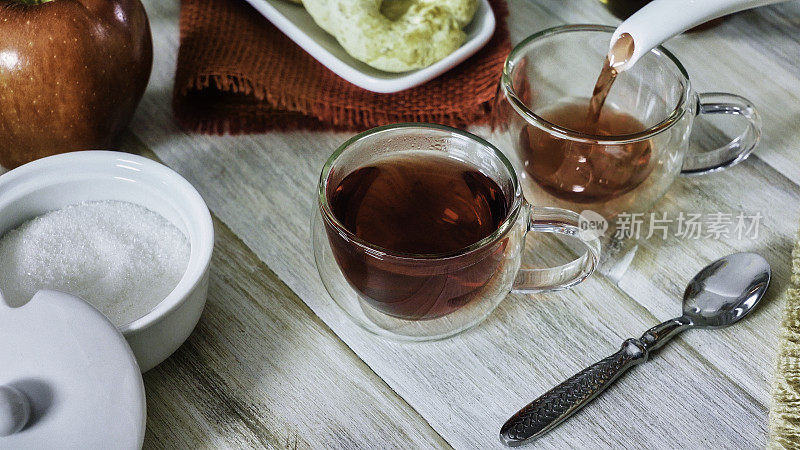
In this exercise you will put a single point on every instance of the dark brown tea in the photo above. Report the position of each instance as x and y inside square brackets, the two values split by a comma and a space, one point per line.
[418, 203]
[583, 172]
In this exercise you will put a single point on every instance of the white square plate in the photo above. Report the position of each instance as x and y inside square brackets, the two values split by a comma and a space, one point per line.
[296, 23]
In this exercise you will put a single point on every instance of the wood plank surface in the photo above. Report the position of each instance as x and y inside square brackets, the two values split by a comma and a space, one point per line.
[262, 371]
[706, 390]
[745, 352]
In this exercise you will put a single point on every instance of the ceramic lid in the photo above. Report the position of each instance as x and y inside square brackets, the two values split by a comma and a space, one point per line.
[66, 369]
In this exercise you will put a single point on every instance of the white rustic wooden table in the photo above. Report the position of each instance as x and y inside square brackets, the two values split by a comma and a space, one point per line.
[274, 364]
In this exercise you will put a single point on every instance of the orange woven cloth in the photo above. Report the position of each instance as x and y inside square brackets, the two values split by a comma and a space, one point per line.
[237, 73]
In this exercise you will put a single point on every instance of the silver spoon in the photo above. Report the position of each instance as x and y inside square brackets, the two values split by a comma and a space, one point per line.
[719, 295]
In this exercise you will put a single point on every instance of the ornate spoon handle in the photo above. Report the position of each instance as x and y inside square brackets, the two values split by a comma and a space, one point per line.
[564, 400]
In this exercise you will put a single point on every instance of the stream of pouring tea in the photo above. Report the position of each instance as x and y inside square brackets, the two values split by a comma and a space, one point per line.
[620, 52]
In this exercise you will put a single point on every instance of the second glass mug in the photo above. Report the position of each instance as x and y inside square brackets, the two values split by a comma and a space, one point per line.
[418, 297]
[614, 173]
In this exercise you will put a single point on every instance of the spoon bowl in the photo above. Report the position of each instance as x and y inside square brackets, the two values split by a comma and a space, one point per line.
[726, 290]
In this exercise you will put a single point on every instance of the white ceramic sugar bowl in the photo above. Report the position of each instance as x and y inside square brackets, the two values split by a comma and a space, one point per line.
[67, 376]
[56, 182]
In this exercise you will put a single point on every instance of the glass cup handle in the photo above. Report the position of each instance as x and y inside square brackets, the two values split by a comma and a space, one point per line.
[736, 150]
[560, 221]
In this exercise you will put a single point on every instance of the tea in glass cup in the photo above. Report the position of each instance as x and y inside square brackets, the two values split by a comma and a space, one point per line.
[613, 143]
[419, 229]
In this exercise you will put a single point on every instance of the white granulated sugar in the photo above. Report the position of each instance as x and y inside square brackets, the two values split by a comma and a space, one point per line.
[122, 258]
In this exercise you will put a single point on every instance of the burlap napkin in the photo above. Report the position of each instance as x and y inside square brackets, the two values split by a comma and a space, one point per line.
[784, 414]
[237, 73]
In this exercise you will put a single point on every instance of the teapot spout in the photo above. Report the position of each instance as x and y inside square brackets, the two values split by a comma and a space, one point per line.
[660, 20]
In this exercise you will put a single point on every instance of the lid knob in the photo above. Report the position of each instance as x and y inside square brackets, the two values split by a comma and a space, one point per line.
[15, 410]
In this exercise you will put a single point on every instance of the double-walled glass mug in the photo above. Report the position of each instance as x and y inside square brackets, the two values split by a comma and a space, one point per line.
[420, 297]
[649, 113]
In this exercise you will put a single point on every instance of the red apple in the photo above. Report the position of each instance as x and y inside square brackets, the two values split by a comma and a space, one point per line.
[71, 74]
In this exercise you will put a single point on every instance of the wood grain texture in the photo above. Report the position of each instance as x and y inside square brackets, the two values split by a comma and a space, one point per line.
[262, 371]
[745, 352]
[707, 389]
[467, 386]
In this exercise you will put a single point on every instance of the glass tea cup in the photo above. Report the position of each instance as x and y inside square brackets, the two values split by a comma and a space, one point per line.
[418, 297]
[609, 173]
